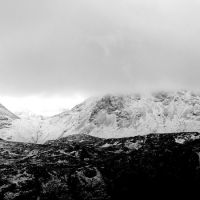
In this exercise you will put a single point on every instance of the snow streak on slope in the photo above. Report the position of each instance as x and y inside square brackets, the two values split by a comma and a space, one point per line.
[116, 116]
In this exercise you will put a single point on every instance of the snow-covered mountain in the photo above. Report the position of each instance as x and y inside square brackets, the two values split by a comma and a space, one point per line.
[115, 116]
[25, 128]
[6, 117]
[128, 115]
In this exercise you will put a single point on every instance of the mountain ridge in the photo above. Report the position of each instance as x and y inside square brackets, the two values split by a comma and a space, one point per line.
[115, 116]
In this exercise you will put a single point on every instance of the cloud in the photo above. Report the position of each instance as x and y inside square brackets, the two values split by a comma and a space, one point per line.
[91, 47]
[41, 105]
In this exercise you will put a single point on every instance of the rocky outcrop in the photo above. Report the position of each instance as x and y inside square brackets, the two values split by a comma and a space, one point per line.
[82, 167]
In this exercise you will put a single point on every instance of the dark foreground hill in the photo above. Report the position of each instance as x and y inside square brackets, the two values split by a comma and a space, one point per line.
[82, 167]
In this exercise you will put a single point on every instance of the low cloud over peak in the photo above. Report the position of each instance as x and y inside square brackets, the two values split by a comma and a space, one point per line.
[92, 47]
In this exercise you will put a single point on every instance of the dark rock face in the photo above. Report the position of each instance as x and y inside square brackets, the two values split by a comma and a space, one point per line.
[82, 167]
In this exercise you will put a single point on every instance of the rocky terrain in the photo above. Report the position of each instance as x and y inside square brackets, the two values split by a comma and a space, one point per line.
[83, 167]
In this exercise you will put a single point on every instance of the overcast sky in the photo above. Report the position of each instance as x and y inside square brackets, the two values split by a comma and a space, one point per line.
[61, 51]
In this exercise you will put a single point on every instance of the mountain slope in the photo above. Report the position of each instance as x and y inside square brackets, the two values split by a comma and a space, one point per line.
[128, 115]
[6, 117]
[82, 167]
[115, 116]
